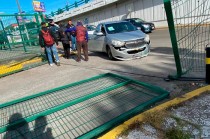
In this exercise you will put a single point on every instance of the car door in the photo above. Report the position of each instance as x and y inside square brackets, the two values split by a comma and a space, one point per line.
[96, 40]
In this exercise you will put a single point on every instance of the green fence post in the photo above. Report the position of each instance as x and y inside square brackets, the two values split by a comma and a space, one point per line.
[170, 19]
[21, 34]
[5, 34]
[41, 16]
[37, 19]
[38, 24]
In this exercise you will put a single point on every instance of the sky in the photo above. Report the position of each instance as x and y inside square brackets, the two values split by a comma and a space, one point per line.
[10, 6]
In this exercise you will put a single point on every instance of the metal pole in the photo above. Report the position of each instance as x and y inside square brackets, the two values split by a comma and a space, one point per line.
[21, 34]
[19, 8]
[208, 64]
[170, 19]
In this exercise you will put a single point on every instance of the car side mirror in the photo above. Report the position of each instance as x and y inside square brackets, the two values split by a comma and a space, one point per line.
[99, 34]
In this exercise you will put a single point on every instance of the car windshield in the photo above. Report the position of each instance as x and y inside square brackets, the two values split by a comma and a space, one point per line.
[114, 28]
[91, 28]
[139, 20]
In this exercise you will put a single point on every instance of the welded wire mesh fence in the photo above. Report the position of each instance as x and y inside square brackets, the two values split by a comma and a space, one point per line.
[18, 40]
[191, 21]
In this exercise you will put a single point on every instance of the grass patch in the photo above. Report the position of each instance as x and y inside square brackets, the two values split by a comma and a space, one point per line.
[177, 133]
[156, 119]
[175, 128]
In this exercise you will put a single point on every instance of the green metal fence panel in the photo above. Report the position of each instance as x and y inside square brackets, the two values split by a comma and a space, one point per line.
[19, 31]
[83, 109]
[19, 41]
[189, 26]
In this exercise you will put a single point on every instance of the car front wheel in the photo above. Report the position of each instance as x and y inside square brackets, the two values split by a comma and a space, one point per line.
[109, 53]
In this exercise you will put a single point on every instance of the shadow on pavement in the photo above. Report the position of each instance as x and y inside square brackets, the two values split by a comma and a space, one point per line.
[22, 130]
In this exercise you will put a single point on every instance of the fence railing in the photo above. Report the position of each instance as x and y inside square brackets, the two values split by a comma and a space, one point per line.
[67, 8]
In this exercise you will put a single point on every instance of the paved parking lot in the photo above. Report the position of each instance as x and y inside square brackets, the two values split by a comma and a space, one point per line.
[152, 69]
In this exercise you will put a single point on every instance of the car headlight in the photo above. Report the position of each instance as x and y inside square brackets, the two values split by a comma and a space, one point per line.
[118, 43]
[146, 38]
[145, 25]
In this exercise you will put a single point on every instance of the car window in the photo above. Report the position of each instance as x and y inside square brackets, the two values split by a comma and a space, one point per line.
[139, 20]
[91, 28]
[132, 21]
[98, 28]
[119, 27]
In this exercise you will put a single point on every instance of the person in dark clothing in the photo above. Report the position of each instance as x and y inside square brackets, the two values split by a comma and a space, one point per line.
[49, 42]
[54, 28]
[72, 34]
[65, 39]
[82, 40]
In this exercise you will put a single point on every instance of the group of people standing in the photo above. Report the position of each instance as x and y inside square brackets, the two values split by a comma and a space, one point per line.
[74, 37]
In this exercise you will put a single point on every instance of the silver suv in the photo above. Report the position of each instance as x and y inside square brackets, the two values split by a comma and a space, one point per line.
[120, 40]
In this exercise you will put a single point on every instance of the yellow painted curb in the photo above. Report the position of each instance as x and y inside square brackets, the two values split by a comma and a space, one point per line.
[116, 131]
[11, 69]
[16, 66]
[4, 69]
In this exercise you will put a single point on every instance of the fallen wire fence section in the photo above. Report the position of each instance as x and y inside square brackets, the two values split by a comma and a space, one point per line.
[84, 109]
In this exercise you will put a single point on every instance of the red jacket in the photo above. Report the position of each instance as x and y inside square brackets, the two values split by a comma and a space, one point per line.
[81, 33]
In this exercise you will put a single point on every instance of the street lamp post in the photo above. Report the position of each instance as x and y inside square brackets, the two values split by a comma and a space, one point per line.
[19, 8]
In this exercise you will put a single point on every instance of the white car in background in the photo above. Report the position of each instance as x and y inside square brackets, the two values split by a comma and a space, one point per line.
[90, 29]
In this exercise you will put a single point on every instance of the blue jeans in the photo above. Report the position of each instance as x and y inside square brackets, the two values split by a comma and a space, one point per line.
[51, 52]
[73, 42]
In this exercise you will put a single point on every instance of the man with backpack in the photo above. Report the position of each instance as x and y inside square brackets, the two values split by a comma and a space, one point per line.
[82, 40]
[48, 42]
